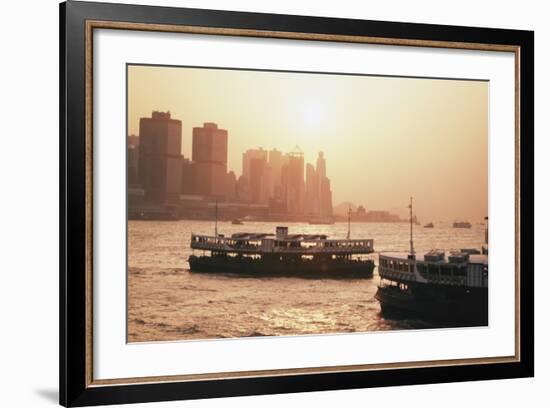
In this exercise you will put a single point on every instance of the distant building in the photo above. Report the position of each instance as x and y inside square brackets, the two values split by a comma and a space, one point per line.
[133, 140]
[292, 181]
[230, 186]
[312, 191]
[325, 192]
[133, 160]
[258, 173]
[276, 161]
[260, 180]
[374, 215]
[248, 156]
[160, 158]
[188, 177]
[210, 158]
[244, 193]
[318, 194]
[381, 216]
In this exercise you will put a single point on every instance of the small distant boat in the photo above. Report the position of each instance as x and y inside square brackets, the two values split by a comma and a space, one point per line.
[237, 221]
[462, 224]
[429, 225]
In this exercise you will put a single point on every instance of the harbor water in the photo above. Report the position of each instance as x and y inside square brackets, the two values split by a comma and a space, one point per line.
[167, 302]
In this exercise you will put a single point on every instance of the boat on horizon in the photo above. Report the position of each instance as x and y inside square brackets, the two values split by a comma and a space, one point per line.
[429, 225]
[237, 221]
[462, 224]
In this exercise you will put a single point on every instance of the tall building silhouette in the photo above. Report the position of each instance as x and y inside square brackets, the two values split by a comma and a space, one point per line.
[132, 160]
[292, 181]
[160, 157]
[276, 162]
[210, 158]
[230, 187]
[188, 177]
[324, 191]
[318, 202]
[260, 180]
[312, 191]
[248, 156]
[257, 174]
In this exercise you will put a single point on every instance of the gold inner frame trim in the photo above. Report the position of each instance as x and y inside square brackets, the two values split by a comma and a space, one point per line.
[98, 24]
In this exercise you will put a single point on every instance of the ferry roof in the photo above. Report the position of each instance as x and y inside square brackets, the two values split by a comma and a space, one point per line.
[289, 237]
[250, 235]
[477, 259]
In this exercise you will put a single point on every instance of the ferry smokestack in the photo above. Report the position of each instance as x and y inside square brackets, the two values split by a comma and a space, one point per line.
[281, 232]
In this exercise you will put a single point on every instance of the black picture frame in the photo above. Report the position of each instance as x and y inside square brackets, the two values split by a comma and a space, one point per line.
[75, 388]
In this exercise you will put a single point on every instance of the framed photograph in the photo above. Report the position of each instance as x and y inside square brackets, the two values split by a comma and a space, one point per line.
[256, 203]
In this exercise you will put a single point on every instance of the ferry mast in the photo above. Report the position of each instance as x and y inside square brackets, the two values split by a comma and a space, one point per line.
[411, 227]
[349, 222]
[216, 222]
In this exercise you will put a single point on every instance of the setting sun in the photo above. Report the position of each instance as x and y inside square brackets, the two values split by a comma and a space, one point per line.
[385, 134]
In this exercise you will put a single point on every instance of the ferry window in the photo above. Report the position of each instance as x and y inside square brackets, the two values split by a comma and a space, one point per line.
[461, 271]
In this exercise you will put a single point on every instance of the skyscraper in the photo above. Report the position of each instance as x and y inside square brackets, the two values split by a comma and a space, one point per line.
[324, 191]
[325, 198]
[248, 156]
[210, 157]
[188, 177]
[318, 195]
[133, 160]
[160, 157]
[230, 188]
[321, 165]
[258, 173]
[292, 180]
[312, 191]
[260, 180]
[276, 162]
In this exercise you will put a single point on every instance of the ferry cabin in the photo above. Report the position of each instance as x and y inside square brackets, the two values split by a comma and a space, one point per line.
[435, 268]
[282, 244]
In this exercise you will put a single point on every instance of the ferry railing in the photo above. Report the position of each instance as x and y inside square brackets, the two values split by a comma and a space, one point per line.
[327, 246]
[392, 274]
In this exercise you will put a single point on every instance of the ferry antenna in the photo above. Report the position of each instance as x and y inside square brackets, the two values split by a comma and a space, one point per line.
[349, 222]
[216, 222]
[411, 226]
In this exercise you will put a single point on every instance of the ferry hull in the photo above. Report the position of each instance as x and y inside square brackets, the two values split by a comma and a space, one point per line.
[334, 269]
[436, 303]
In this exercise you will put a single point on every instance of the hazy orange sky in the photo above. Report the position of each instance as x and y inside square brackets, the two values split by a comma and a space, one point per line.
[384, 138]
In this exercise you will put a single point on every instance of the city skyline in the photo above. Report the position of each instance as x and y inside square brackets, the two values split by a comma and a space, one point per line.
[373, 161]
[163, 183]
